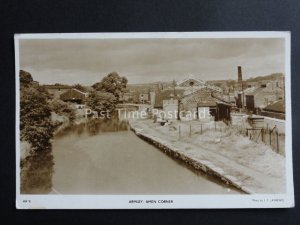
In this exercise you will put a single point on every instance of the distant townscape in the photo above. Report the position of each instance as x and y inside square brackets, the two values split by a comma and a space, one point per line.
[261, 95]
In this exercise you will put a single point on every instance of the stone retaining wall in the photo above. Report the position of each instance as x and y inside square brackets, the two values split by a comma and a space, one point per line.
[189, 161]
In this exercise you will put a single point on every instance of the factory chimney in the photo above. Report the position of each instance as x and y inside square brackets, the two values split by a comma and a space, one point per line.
[240, 82]
[240, 76]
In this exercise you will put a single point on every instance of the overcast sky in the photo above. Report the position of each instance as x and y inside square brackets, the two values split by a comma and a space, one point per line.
[149, 60]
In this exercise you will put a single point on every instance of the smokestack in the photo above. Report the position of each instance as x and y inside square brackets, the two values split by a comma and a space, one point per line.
[240, 76]
[240, 81]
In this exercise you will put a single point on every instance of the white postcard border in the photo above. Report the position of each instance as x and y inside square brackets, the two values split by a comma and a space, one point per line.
[162, 201]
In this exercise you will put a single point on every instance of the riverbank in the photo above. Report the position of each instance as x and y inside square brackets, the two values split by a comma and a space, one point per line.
[218, 150]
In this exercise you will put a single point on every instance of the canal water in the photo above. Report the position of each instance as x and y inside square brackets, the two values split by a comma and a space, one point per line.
[118, 162]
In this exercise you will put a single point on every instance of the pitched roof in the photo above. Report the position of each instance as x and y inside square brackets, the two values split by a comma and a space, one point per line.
[278, 106]
[164, 95]
[187, 81]
[73, 94]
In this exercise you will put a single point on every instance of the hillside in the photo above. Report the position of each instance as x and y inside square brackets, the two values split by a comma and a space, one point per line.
[273, 76]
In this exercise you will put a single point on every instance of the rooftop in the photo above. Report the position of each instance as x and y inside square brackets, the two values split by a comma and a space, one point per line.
[58, 86]
[278, 106]
[164, 95]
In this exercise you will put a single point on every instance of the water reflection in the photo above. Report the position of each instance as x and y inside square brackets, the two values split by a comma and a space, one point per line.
[37, 171]
[96, 126]
[37, 168]
[105, 157]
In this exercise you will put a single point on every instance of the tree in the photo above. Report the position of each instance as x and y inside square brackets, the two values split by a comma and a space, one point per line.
[25, 78]
[35, 122]
[101, 101]
[37, 129]
[112, 83]
[63, 109]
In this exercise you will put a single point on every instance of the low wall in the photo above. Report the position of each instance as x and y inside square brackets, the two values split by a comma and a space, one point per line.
[241, 119]
[271, 122]
[273, 114]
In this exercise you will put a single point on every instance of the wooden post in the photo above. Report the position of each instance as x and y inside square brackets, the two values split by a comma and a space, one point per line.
[190, 130]
[201, 128]
[197, 111]
[179, 132]
[277, 139]
[270, 132]
[178, 109]
[262, 134]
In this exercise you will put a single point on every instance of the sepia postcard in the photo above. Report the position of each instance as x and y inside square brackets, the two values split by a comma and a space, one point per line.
[153, 120]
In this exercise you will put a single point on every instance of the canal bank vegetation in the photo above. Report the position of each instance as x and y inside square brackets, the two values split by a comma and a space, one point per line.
[106, 94]
[103, 100]
[63, 114]
[42, 116]
[36, 129]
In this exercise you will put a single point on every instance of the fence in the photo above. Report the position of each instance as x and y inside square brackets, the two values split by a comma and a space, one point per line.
[269, 136]
[190, 129]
